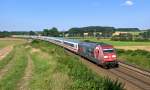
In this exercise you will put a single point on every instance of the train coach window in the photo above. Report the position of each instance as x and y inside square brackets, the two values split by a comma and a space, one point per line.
[76, 46]
[57, 41]
[108, 51]
[72, 45]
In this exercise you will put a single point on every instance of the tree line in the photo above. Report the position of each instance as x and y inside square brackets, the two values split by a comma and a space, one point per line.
[10, 33]
[142, 36]
[93, 31]
[97, 31]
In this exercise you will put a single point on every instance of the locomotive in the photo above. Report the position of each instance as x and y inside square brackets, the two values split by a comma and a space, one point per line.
[100, 53]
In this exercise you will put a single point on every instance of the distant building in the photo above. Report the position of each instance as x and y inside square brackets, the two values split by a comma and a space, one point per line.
[85, 34]
[118, 33]
[124, 32]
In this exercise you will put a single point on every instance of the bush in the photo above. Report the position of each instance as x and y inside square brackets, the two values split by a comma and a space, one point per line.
[123, 37]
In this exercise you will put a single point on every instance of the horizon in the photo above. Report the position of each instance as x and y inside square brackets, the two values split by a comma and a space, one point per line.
[71, 28]
[27, 15]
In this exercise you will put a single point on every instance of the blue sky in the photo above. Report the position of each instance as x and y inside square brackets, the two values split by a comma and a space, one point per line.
[26, 15]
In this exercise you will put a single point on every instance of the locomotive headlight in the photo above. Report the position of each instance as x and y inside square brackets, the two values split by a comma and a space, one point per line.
[105, 56]
[114, 56]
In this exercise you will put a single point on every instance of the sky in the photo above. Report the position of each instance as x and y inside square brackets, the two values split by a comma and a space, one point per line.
[26, 15]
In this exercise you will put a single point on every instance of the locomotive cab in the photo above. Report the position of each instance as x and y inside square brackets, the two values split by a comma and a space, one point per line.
[109, 56]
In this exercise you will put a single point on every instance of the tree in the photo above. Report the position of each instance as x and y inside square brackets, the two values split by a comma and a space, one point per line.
[32, 33]
[5, 34]
[106, 31]
[146, 35]
[45, 32]
[54, 32]
[123, 37]
[128, 29]
[51, 32]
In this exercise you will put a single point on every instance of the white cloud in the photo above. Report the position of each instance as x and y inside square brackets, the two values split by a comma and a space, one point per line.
[128, 3]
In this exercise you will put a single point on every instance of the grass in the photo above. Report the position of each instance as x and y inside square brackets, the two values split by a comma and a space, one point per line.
[10, 80]
[44, 67]
[46, 75]
[140, 58]
[117, 43]
[60, 71]
[7, 42]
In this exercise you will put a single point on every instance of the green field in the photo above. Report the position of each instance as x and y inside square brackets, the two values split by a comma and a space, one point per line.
[117, 43]
[52, 69]
[4, 42]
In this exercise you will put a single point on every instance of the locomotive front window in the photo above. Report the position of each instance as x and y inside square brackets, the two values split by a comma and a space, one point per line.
[108, 50]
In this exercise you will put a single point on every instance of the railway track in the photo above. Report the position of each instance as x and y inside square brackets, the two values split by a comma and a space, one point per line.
[135, 68]
[138, 78]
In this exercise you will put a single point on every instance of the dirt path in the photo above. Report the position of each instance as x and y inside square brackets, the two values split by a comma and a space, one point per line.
[24, 82]
[147, 48]
[10, 39]
[5, 51]
[6, 69]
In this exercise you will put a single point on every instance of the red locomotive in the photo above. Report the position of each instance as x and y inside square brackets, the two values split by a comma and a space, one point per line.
[100, 53]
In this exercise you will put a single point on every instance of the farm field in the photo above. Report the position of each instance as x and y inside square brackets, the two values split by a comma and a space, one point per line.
[117, 43]
[4, 42]
[146, 48]
[43, 66]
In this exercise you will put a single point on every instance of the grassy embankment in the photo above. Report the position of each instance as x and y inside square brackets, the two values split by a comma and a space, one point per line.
[60, 71]
[140, 58]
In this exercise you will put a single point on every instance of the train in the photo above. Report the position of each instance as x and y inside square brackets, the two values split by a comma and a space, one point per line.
[98, 52]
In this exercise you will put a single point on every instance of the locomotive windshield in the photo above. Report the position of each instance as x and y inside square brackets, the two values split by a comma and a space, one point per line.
[108, 50]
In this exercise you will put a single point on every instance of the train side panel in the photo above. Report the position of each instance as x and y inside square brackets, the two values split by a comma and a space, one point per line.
[88, 52]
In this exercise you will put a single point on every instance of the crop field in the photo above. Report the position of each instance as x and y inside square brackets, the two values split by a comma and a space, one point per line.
[117, 43]
[4, 42]
[43, 66]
